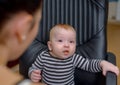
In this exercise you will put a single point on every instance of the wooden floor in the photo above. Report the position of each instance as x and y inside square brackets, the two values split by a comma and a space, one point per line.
[113, 33]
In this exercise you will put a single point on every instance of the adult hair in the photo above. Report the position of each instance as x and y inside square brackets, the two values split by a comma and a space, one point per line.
[10, 7]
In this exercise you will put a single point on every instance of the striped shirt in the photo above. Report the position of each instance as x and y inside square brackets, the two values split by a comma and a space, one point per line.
[61, 71]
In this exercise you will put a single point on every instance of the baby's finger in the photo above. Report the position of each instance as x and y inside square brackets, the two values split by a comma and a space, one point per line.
[36, 75]
[37, 71]
[117, 71]
[35, 80]
[104, 73]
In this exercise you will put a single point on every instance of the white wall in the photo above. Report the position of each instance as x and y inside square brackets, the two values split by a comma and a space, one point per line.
[118, 11]
[112, 10]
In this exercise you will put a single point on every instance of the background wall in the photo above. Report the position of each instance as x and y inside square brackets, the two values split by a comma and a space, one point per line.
[118, 11]
[114, 10]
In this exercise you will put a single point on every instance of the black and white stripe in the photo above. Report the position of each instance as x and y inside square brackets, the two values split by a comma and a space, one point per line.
[61, 72]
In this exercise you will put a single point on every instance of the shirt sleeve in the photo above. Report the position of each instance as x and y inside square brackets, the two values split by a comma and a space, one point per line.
[92, 65]
[38, 64]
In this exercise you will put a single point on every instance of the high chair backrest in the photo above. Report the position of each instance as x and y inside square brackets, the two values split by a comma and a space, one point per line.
[88, 17]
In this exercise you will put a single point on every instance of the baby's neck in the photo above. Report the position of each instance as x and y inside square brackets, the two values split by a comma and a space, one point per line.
[56, 57]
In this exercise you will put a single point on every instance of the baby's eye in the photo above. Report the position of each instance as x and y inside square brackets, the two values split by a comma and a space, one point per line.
[59, 40]
[71, 41]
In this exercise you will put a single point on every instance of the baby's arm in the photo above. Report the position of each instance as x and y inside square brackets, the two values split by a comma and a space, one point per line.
[35, 75]
[106, 66]
[35, 70]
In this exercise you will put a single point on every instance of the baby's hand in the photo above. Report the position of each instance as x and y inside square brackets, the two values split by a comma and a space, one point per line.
[35, 75]
[106, 66]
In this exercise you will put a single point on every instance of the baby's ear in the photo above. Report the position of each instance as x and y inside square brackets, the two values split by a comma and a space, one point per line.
[49, 45]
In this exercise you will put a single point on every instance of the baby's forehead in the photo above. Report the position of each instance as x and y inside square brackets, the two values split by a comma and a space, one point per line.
[61, 29]
[64, 33]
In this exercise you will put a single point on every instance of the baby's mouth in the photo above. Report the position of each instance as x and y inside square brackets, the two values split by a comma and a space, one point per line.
[66, 52]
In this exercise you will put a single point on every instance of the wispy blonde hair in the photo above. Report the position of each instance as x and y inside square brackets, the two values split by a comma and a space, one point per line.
[60, 26]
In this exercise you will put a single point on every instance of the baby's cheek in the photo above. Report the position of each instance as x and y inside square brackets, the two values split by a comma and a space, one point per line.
[72, 52]
[73, 49]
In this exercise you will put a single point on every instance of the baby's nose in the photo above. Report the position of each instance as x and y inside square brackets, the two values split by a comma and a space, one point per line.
[66, 44]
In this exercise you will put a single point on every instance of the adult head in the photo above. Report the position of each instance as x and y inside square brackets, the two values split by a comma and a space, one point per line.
[62, 41]
[19, 21]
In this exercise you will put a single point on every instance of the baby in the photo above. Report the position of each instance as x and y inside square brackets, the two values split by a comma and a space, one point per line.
[56, 66]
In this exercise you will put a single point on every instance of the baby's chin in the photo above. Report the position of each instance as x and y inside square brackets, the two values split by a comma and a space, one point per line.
[64, 57]
[66, 54]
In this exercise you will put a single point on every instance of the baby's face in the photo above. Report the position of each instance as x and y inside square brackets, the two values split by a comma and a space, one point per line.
[63, 43]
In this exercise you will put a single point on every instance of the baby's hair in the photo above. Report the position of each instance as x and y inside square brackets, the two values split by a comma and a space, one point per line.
[61, 26]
